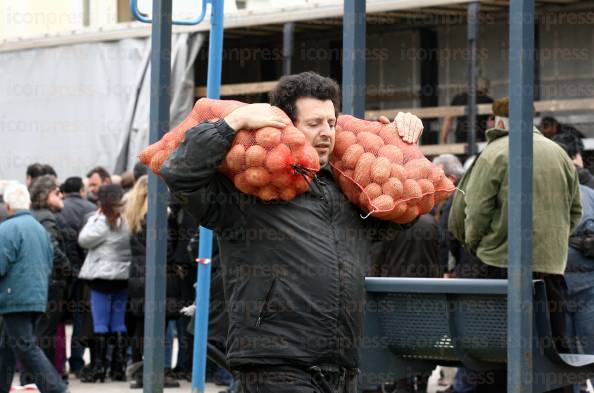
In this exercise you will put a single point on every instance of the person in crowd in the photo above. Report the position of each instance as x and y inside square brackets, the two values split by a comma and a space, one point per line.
[46, 203]
[550, 127]
[127, 181]
[96, 177]
[462, 124]
[73, 215]
[26, 257]
[413, 253]
[478, 218]
[106, 268]
[574, 147]
[579, 275]
[35, 170]
[3, 185]
[310, 254]
[139, 170]
[177, 256]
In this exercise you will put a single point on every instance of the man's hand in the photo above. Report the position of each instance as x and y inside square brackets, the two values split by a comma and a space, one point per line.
[408, 125]
[254, 116]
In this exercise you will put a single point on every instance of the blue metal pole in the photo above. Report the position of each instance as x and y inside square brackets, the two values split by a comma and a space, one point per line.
[353, 59]
[215, 63]
[521, 87]
[473, 34]
[155, 291]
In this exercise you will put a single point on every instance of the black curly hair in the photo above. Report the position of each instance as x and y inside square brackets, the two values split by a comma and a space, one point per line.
[306, 84]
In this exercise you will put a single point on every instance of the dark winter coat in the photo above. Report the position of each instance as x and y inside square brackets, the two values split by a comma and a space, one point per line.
[293, 271]
[76, 209]
[61, 272]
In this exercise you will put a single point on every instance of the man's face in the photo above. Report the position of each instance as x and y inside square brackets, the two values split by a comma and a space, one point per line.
[94, 183]
[317, 120]
[549, 131]
[54, 200]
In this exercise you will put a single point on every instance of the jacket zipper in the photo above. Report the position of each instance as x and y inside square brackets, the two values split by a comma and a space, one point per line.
[266, 301]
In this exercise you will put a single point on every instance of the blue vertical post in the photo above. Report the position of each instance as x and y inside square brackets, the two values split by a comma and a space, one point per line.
[154, 328]
[215, 62]
[473, 33]
[521, 87]
[353, 58]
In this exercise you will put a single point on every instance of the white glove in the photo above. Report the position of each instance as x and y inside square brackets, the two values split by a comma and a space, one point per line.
[188, 311]
[409, 127]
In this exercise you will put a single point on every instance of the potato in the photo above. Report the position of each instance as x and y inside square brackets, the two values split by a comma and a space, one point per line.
[383, 203]
[393, 187]
[418, 169]
[352, 155]
[257, 176]
[268, 193]
[158, 159]
[344, 140]
[268, 137]
[279, 158]
[282, 179]
[411, 191]
[370, 142]
[393, 153]
[288, 194]
[380, 170]
[398, 172]
[235, 158]
[255, 156]
[362, 174]
[292, 137]
[240, 181]
[246, 138]
[410, 214]
[389, 135]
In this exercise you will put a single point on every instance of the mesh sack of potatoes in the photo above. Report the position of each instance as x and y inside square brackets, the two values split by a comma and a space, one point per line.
[269, 163]
[386, 177]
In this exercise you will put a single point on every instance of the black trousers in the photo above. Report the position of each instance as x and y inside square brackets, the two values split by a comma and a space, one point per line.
[288, 379]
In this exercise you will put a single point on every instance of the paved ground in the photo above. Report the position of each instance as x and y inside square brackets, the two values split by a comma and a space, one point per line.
[112, 387]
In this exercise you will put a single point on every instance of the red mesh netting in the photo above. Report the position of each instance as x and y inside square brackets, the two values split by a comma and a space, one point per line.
[269, 163]
[383, 175]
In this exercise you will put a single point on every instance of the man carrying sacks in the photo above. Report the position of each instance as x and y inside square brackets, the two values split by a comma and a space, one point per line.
[293, 270]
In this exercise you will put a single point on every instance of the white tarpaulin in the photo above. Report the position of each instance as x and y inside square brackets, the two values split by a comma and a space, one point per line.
[74, 106]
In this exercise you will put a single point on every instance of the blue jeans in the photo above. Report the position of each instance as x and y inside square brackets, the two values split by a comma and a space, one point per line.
[18, 342]
[582, 318]
[109, 311]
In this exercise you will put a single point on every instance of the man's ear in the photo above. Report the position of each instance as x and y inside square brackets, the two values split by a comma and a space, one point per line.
[500, 124]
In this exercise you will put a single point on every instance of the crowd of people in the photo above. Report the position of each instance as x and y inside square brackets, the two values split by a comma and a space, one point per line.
[91, 233]
[286, 312]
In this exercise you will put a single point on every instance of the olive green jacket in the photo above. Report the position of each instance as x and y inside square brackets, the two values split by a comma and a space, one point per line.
[479, 215]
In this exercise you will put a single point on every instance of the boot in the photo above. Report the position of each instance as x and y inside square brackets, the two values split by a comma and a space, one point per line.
[96, 370]
[119, 357]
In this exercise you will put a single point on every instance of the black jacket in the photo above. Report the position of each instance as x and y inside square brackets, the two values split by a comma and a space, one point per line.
[73, 215]
[61, 265]
[293, 271]
[414, 252]
[176, 268]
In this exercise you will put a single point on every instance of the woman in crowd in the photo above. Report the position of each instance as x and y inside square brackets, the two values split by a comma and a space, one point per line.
[46, 201]
[135, 212]
[106, 268]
